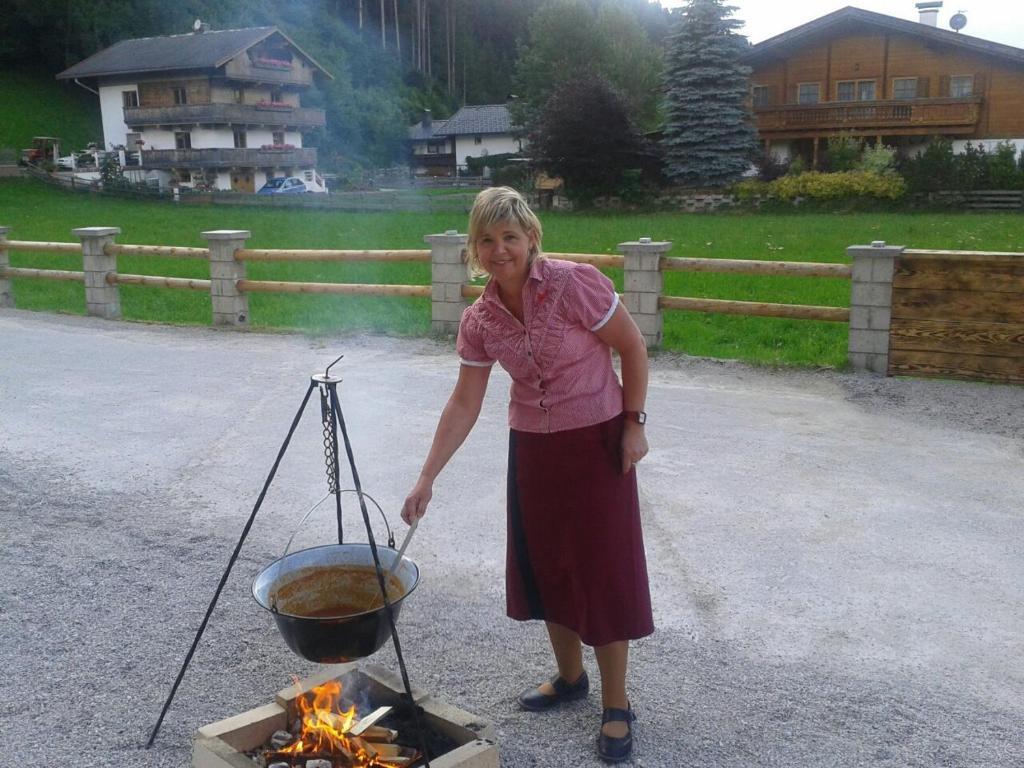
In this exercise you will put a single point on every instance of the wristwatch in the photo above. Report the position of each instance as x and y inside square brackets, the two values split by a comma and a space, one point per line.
[640, 417]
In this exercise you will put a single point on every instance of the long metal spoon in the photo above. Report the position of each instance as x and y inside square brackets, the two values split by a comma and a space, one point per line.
[398, 559]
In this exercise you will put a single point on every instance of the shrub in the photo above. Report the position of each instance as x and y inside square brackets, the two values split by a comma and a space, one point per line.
[814, 185]
[933, 170]
[1003, 170]
[878, 159]
[843, 153]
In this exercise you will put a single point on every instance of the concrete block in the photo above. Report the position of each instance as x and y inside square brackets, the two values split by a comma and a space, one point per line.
[447, 311]
[96, 232]
[249, 728]
[860, 317]
[878, 364]
[453, 293]
[449, 273]
[643, 282]
[862, 269]
[649, 303]
[858, 361]
[882, 269]
[217, 235]
[871, 342]
[448, 255]
[444, 328]
[476, 754]
[870, 295]
[880, 318]
[438, 291]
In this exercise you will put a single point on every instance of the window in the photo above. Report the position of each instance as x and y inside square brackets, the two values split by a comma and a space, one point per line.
[808, 93]
[185, 177]
[961, 85]
[276, 95]
[761, 95]
[180, 96]
[855, 90]
[129, 99]
[478, 139]
[433, 149]
[240, 138]
[239, 95]
[277, 138]
[904, 88]
[182, 140]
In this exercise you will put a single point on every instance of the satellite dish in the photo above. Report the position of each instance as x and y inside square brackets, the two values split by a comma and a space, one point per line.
[958, 21]
[197, 25]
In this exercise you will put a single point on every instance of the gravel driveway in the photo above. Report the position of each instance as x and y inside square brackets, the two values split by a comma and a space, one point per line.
[837, 561]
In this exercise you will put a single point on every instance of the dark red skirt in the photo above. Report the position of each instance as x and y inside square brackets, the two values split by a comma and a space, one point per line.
[575, 548]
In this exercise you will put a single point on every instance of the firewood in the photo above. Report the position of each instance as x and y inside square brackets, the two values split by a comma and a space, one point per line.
[369, 720]
[378, 733]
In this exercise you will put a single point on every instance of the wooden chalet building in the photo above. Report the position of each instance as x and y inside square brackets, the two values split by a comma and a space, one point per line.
[221, 109]
[442, 147]
[887, 80]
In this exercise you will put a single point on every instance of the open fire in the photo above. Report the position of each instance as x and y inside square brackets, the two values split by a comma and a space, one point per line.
[358, 712]
[329, 732]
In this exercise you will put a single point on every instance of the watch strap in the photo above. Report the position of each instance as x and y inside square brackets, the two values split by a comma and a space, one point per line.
[640, 417]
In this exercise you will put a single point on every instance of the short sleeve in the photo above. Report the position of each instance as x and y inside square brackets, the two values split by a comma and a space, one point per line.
[592, 297]
[470, 344]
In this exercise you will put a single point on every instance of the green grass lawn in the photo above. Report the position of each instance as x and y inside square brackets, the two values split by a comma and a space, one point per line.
[38, 105]
[37, 212]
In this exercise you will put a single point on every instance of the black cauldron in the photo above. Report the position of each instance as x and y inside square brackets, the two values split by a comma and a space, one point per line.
[319, 598]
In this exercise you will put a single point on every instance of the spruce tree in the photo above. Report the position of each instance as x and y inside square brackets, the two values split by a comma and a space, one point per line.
[709, 138]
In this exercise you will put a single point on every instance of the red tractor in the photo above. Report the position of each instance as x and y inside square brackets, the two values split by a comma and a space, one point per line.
[44, 149]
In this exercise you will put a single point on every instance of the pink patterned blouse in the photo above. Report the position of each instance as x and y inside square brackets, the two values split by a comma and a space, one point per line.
[562, 375]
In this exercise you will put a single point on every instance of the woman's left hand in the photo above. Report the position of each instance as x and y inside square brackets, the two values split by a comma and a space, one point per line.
[634, 445]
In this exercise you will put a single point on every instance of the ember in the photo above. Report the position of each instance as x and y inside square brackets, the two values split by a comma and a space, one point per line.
[328, 732]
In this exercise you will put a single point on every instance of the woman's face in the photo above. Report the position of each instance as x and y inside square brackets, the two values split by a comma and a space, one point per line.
[504, 251]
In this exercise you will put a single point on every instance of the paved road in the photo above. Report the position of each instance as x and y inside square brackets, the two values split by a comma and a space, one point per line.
[837, 562]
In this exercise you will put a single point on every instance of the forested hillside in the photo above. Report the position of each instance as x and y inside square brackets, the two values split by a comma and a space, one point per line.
[390, 58]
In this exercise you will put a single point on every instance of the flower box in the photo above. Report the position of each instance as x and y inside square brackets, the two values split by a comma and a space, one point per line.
[282, 64]
[274, 106]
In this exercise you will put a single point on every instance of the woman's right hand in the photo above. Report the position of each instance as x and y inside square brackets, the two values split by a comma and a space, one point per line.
[416, 502]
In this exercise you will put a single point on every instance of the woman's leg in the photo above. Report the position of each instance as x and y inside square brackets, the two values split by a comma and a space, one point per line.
[568, 652]
[612, 660]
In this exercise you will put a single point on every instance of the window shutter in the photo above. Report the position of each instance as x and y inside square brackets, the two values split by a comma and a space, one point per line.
[979, 85]
[944, 85]
[792, 94]
[922, 87]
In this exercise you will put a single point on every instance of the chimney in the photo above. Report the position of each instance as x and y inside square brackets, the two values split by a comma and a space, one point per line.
[929, 12]
[426, 121]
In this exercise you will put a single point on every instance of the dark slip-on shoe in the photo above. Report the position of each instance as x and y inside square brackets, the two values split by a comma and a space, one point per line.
[612, 749]
[533, 700]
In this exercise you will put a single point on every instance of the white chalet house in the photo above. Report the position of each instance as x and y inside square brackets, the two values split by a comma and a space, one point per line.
[440, 147]
[209, 109]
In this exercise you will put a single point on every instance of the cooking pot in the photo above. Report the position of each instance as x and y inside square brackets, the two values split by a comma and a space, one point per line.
[326, 600]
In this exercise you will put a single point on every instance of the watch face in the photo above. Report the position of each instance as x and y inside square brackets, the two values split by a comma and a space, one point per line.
[641, 417]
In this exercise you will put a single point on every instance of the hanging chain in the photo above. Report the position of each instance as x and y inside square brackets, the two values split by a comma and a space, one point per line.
[330, 444]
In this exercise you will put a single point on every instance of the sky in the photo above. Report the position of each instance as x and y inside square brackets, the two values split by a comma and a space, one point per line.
[1000, 21]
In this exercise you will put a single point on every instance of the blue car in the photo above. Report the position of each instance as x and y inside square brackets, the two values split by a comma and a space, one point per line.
[283, 185]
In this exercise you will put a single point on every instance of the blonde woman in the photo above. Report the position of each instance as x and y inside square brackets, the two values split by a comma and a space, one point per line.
[575, 556]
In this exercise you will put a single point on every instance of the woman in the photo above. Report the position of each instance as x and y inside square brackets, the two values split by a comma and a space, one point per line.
[575, 553]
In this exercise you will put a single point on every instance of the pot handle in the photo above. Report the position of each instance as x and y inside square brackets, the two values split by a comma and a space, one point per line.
[305, 517]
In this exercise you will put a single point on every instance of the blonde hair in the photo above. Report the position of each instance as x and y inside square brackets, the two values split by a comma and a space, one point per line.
[495, 205]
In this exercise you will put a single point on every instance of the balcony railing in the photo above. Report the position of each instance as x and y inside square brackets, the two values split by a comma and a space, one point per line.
[227, 158]
[928, 115]
[240, 68]
[225, 114]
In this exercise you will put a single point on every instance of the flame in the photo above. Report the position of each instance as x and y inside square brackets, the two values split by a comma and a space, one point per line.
[325, 726]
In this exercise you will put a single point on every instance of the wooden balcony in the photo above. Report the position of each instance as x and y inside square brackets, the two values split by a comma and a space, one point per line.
[870, 118]
[163, 159]
[240, 68]
[225, 114]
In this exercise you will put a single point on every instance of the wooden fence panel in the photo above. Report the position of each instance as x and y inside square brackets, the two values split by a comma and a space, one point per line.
[958, 318]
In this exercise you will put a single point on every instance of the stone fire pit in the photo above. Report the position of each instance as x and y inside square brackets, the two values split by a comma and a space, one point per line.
[224, 744]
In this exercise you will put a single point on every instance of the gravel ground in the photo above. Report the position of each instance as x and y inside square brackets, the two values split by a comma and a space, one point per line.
[836, 560]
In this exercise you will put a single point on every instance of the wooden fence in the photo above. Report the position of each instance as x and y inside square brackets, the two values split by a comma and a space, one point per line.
[919, 312]
[958, 314]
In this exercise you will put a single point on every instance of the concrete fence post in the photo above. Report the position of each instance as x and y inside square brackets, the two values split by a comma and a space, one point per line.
[448, 273]
[871, 305]
[643, 285]
[230, 306]
[6, 290]
[102, 299]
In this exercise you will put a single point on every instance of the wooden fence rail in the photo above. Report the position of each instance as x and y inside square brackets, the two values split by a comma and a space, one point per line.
[877, 319]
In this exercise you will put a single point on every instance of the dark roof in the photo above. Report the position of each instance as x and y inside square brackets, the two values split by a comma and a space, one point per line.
[856, 17]
[485, 118]
[196, 50]
[419, 132]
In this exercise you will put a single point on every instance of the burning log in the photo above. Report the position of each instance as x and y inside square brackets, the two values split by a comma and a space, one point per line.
[377, 733]
[370, 719]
